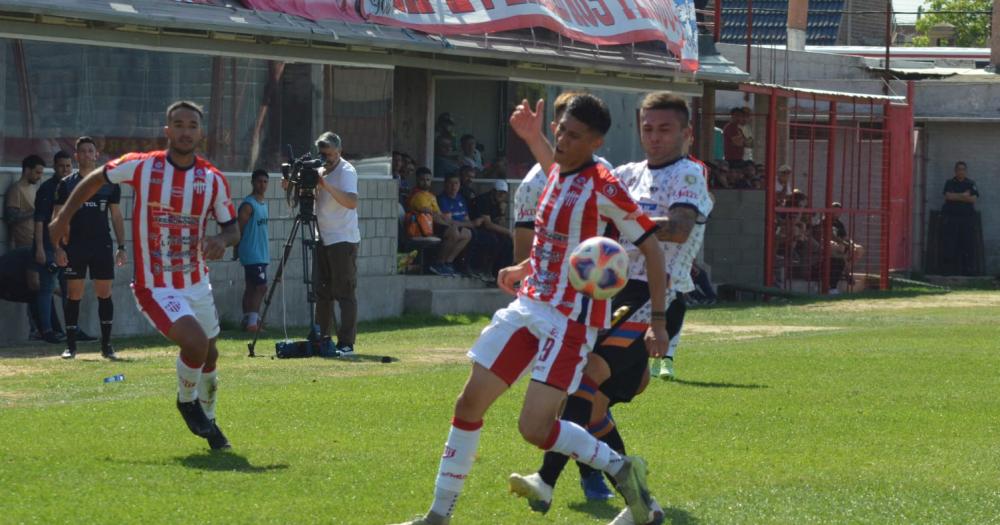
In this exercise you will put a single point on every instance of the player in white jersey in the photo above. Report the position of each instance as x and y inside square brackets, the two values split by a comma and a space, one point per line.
[176, 192]
[548, 329]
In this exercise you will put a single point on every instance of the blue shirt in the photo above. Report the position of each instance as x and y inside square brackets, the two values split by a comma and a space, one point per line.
[456, 206]
[253, 241]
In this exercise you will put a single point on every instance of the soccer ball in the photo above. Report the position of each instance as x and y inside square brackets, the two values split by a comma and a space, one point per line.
[598, 268]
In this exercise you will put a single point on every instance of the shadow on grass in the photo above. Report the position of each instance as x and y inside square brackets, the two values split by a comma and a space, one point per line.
[599, 509]
[223, 461]
[715, 384]
[676, 516]
[366, 358]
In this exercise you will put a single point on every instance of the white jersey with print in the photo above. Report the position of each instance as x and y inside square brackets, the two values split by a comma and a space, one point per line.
[658, 189]
[527, 194]
[170, 215]
[336, 222]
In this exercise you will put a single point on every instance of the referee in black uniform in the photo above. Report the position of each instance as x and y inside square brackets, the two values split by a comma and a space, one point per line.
[90, 249]
[958, 216]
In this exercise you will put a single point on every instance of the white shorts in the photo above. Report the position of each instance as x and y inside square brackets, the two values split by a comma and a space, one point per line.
[531, 334]
[164, 306]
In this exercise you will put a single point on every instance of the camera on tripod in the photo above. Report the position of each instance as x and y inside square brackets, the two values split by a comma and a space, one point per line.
[302, 176]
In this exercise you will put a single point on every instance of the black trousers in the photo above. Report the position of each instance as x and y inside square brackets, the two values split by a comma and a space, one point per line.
[958, 244]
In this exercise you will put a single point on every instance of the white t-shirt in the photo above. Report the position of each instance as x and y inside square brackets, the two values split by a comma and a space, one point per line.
[680, 183]
[530, 191]
[337, 223]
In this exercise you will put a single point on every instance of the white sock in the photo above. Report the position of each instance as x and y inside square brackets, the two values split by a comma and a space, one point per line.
[252, 318]
[672, 347]
[187, 382]
[574, 441]
[456, 462]
[207, 390]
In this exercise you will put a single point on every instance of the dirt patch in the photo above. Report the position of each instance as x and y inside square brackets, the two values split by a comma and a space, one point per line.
[742, 332]
[949, 300]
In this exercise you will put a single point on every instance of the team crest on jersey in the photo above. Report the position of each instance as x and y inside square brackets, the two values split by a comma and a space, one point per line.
[200, 186]
[611, 190]
[158, 165]
[172, 306]
[199, 173]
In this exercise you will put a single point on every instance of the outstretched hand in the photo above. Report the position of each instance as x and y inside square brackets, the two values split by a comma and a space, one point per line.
[525, 122]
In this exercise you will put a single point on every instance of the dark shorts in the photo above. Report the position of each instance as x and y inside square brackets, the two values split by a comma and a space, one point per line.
[98, 259]
[255, 274]
[623, 346]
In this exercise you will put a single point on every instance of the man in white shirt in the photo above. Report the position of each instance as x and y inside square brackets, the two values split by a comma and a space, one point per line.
[335, 268]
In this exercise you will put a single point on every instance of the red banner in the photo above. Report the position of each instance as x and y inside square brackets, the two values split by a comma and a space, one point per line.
[600, 22]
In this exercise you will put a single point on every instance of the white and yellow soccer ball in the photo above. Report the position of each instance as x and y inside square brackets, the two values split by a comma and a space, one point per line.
[598, 268]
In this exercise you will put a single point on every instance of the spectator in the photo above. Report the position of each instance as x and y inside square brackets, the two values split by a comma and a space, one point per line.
[336, 267]
[453, 238]
[454, 207]
[47, 272]
[734, 141]
[445, 126]
[19, 204]
[720, 176]
[746, 127]
[444, 159]
[253, 249]
[718, 141]
[958, 222]
[491, 206]
[466, 174]
[16, 267]
[784, 185]
[843, 250]
[470, 153]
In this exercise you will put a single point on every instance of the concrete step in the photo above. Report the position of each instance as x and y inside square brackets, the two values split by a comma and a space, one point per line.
[444, 302]
[437, 282]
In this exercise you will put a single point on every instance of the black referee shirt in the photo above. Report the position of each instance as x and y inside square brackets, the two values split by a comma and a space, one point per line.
[90, 224]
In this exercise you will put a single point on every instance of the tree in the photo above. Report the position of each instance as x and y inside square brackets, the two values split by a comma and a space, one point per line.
[971, 19]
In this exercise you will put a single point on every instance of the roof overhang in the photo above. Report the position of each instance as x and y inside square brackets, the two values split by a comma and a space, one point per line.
[155, 25]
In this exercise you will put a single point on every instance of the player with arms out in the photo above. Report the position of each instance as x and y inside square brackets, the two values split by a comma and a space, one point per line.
[176, 192]
[549, 328]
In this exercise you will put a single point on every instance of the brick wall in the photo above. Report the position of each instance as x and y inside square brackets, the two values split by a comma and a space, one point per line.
[734, 238]
[376, 265]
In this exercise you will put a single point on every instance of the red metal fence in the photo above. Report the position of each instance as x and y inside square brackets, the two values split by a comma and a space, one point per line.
[837, 216]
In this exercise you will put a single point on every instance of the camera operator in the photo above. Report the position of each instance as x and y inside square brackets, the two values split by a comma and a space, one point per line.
[335, 268]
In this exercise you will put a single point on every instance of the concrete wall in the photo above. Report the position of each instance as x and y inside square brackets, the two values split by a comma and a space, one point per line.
[734, 237]
[380, 290]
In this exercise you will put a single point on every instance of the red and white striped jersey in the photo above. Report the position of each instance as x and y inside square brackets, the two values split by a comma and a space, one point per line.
[170, 215]
[575, 207]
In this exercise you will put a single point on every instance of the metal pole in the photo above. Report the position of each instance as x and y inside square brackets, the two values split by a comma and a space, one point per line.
[771, 157]
[888, 42]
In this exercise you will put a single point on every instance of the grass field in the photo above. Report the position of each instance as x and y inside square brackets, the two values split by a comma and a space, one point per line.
[847, 411]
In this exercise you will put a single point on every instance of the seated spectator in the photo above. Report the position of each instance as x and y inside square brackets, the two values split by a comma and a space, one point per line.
[734, 141]
[445, 162]
[491, 206]
[784, 185]
[453, 238]
[15, 286]
[720, 178]
[844, 252]
[466, 174]
[470, 155]
[456, 209]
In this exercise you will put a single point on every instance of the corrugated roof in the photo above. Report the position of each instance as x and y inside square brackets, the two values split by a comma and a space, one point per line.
[770, 21]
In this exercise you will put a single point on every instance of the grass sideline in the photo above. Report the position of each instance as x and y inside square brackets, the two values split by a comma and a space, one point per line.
[873, 410]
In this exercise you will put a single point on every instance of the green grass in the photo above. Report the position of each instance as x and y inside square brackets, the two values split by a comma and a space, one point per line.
[886, 414]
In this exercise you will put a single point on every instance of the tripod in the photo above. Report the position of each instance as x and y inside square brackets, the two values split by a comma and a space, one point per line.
[306, 224]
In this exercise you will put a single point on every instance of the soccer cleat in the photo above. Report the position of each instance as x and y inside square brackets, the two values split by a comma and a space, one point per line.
[655, 365]
[429, 519]
[625, 516]
[68, 354]
[194, 416]
[538, 492]
[667, 371]
[594, 488]
[217, 440]
[632, 484]
[108, 352]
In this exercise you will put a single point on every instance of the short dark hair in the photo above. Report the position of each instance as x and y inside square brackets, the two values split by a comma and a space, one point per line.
[259, 172]
[31, 162]
[61, 154]
[735, 110]
[452, 175]
[562, 102]
[962, 164]
[466, 137]
[84, 140]
[465, 167]
[185, 104]
[329, 139]
[666, 100]
[592, 111]
[423, 169]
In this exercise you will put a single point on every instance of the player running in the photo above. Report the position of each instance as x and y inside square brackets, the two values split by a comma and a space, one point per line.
[549, 328]
[175, 194]
[671, 188]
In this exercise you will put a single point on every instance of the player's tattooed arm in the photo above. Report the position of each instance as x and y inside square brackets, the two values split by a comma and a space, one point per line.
[677, 225]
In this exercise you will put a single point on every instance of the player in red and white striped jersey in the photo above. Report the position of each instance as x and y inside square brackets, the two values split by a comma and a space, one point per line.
[549, 328]
[176, 192]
